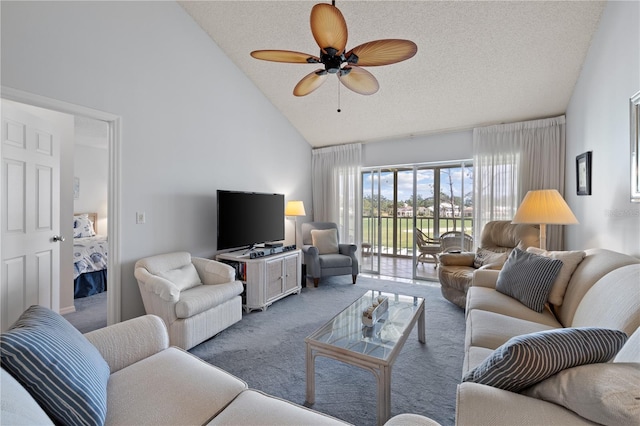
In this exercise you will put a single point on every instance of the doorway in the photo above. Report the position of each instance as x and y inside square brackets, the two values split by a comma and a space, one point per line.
[398, 201]
[113, 198]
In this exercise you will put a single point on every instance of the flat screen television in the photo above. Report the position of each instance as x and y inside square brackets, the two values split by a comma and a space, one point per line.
[248, 218]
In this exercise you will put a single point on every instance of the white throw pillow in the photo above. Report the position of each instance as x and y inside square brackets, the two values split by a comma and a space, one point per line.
[326, 240]
[184, 278]
[570, 261]
[605, 393]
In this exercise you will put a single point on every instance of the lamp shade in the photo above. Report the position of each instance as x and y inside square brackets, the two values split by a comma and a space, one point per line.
[545, 206]
[294, 208]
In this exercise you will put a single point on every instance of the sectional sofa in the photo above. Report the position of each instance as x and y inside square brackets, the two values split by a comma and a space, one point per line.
[602, 293]
[146, 381]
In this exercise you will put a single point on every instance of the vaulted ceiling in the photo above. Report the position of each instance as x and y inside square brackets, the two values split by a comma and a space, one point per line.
[478, 62]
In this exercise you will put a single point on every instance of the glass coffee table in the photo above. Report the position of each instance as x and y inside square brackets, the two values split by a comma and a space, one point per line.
[346, 338]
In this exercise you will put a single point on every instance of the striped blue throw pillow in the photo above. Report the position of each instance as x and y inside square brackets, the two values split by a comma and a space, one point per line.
[528, 278]
[528, 359]
[58, 366]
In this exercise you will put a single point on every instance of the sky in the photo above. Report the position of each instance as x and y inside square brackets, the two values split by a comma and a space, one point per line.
[424, 180]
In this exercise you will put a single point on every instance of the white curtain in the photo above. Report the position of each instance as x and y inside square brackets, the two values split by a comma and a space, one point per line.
[336, 186]
[511, 159]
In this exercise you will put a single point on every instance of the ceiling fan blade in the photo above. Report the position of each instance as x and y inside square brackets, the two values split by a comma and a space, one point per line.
[310, 82]
[328, 27]
[382, 52]
[285, 56]
[359, 80]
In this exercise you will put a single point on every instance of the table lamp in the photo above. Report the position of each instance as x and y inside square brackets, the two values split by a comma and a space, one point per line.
[295, 208]
[544, 207]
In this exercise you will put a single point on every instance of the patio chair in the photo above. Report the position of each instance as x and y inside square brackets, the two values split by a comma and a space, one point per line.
[428, 248]
[454, 241]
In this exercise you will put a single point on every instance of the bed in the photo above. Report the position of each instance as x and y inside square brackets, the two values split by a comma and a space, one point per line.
[90, 254]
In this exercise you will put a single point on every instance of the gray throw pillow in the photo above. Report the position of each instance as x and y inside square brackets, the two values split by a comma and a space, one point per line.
[528, 359]
[528, 278]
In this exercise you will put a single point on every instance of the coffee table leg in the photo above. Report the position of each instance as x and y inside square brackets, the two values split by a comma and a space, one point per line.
[384, 394]
[311, 376]
[421, 326]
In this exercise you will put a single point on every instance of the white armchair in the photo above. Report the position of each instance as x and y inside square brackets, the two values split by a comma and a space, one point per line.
[196, 298]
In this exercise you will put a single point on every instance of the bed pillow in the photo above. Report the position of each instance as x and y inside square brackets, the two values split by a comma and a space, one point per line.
[326, 240]
[605, 393]
[528, 359]
[82, 226]
[570, 261]
[528, 278]
[58, 366]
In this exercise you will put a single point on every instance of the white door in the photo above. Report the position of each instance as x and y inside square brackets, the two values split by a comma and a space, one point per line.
[30, 213]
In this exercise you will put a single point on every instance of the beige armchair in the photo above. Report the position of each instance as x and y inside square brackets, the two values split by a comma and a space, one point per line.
[497, 240]
[196, 298]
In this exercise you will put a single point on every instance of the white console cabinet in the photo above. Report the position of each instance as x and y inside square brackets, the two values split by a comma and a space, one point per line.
[266, 279]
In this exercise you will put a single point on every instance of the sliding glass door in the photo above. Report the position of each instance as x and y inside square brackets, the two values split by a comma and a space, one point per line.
[398, 201]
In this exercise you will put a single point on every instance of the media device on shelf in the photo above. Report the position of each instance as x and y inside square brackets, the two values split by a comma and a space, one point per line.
[247, 219]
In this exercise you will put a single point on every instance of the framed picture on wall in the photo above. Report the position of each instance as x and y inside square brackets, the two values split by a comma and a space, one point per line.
[583, 173]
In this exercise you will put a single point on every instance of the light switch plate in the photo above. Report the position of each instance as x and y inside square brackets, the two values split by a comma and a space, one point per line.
[140, 217]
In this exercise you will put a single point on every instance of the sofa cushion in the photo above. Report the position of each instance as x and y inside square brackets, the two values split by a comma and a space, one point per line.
[528, 278]
[570, 261]
[488, 299]
[489, 259]
[612, 302]
[171, 387]
[528, 359]
[335, 261]
[596, 264]
[492, 330]
[325, 240]
[630, 352]
[17, 407]
[474, 356]
[183, 278]
[57, 365]
[204, 297]
[605, 393]
[252, 407]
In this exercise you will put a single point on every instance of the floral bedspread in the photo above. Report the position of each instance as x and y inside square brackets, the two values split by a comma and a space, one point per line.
[89, 254]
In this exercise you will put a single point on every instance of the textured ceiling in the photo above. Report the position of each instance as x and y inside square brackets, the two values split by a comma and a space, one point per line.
[478, 62]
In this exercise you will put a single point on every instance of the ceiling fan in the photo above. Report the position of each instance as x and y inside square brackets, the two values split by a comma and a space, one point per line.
[329, 29]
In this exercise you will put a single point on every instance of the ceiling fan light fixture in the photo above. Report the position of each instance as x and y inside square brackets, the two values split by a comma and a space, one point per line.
[329, 30]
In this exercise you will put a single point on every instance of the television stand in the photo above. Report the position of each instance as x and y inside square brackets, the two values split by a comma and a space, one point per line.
[266, 279]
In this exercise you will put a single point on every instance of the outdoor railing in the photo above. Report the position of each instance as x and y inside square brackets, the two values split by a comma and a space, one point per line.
[403, 244]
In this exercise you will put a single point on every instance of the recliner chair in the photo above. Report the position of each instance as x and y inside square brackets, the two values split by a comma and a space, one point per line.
[196, 298]
[324, 256]
[497, 240]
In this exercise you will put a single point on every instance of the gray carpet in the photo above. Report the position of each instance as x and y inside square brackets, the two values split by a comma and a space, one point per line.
[267, 350]
[90, 314]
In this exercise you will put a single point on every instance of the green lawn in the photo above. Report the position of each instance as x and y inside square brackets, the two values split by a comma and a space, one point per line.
[404, 229]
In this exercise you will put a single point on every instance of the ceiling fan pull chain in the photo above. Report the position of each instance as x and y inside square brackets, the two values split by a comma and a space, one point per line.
[339, 110]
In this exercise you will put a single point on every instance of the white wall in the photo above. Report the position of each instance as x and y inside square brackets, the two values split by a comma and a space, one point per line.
[91, 167]
[598, 121]
[191, 121]
[419, 149]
